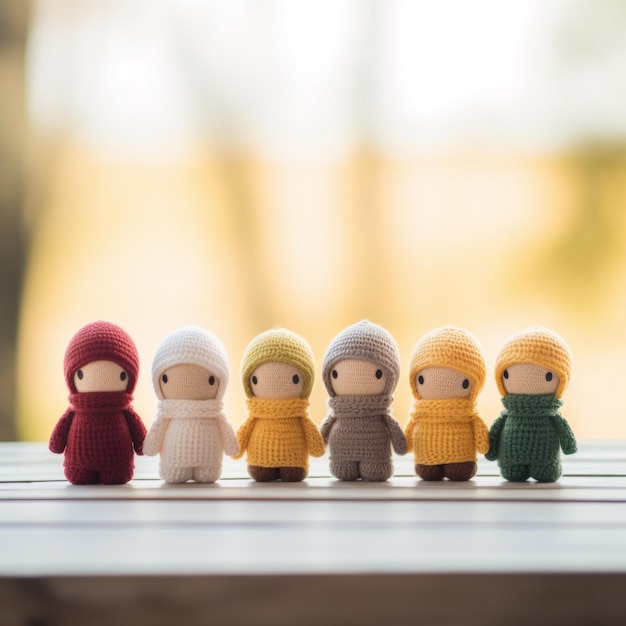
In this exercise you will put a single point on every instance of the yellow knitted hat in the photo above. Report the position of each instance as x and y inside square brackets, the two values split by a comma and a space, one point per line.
[539, 346]
[449, 347]
[279, 345]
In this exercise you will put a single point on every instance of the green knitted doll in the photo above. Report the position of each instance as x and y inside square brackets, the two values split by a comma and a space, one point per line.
[532, 372]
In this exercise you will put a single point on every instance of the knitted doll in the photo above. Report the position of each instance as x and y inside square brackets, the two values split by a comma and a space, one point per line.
[360, 372]
[447, 372]
[100, 428]
[191, 432]
[278, 436]
[532, 372]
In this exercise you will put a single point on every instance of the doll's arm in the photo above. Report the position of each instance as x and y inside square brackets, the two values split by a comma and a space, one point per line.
[481, 435]
[154, 439]
[137, 430]
[229, 438]
[566, 436]
[58, 438]
[398, 440]
[327, 426]
[408, 433]
[314, 441]
[243, 435]
[494, 437]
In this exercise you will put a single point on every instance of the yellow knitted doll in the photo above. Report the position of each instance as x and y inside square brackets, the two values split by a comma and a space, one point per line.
[447, 371]
[278, 372]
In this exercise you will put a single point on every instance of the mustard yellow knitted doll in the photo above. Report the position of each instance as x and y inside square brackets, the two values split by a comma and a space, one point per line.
[532, 372]
[447, 371]
[278, 372]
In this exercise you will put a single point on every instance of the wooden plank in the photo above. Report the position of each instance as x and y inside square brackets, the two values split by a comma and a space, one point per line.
[249, 514]
[238, 552]
[313, 548]
[568, 489]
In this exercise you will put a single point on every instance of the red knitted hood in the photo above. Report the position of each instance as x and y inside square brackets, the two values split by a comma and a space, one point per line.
[101, 341]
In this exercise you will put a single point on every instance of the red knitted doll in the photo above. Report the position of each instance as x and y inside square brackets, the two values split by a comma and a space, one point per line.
[100, 428]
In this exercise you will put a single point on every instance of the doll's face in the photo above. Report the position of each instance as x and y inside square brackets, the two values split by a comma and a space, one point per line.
[186, 381]
[529, 379]
[101, 376]
[442, 383]
[355, 377]
[276, 381]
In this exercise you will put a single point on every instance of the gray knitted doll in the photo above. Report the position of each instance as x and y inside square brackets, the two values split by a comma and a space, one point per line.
[360, 372]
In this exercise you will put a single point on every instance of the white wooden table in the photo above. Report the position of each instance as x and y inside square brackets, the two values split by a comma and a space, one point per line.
[318, 552]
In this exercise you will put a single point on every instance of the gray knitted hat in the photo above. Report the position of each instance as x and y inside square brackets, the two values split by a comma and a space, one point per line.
[369, 342]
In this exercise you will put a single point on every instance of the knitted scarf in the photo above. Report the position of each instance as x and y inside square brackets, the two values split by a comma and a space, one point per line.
[105, 401]
[359, 406]
[441, 411]
[277, 409]
[520, 405]
[190, 409]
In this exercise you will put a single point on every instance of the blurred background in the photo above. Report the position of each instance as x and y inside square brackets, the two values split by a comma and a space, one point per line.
[241, 164]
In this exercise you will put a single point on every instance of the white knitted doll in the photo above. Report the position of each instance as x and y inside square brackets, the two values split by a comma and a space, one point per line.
[191, 432]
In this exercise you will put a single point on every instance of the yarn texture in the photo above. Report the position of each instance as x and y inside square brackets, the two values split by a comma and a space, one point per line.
[539, 346]
[279, 433]
[527, 437]
[530, 432]
[360, 430]
[191, 434]
[447, 430]
[99, 430]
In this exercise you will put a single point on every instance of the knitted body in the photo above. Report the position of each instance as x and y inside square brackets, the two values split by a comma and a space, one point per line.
[533, 370]
[278, 370]
[446, 431]
[361, 438]
[360, 430]
[98, 441]
[188, 441]
[279, 433]
[191, 436]
[99, 430]
[527, 437]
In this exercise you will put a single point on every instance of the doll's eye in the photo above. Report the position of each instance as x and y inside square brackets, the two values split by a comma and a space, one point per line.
[379, 374]
[296, 379]
[122, 376]
[549, 376]
[505, 373]
[335, 374]
[255, 380]
[79, 373]
[211, 380]
[465, 384]
[164, 378]
[420, 380]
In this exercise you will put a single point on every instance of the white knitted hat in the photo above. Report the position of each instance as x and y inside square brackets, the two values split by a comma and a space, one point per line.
[191, 345]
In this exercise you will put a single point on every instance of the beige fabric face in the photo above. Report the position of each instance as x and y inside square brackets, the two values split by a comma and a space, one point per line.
[101, 376]
[442, 383]
[276, 381]
[187, 381]
[529, 379]
[357, 377]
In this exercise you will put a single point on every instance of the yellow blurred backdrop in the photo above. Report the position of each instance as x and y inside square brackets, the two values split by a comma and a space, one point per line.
[305, 188]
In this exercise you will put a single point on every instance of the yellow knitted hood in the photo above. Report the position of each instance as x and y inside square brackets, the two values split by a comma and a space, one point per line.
[449, 347]
[279, 345]
[538, 346]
